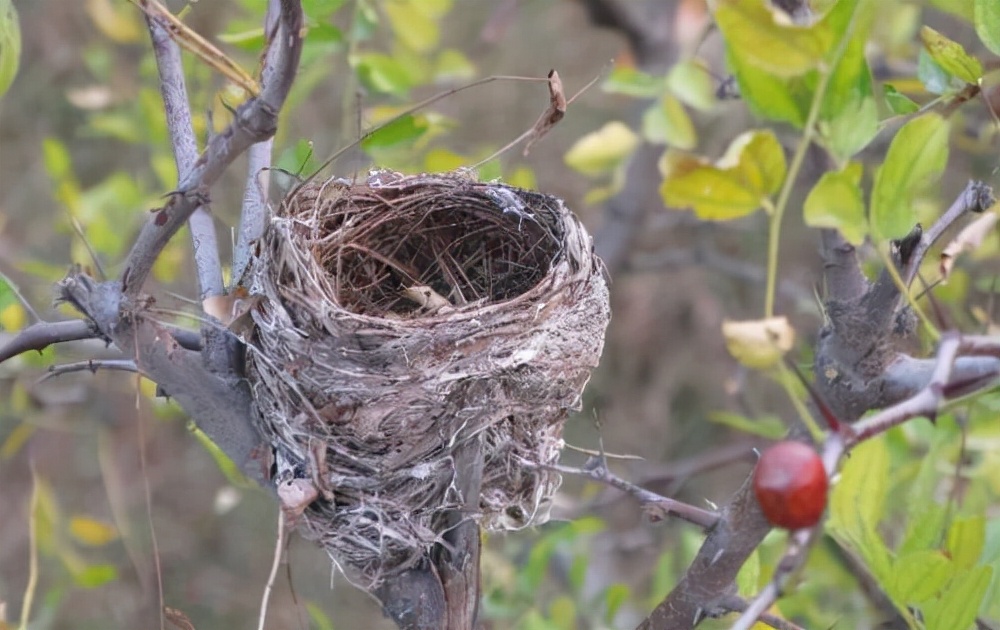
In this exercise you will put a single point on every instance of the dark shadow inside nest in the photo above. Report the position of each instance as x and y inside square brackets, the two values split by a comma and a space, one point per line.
[426, 250]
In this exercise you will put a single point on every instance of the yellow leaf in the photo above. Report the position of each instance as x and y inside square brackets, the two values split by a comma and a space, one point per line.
[739, 183]
[119, 24]
[91, 531]
[761, 343]
[601, 151]
[12, 317]
[751, 30]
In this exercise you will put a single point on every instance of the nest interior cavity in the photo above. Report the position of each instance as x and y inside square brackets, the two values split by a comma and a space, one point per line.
[405, 318]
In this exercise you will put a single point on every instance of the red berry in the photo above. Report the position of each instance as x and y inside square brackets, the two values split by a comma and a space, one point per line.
[790, 484]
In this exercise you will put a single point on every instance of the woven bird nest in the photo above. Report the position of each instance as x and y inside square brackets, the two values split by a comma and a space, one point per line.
[402, 318]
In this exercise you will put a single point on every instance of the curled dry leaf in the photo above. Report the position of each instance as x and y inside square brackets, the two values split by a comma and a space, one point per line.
[552, 115]
[760, 343]
[232, 310]
[970, 238]
[177, 618]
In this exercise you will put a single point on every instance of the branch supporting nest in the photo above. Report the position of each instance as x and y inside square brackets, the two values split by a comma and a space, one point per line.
[403, 319]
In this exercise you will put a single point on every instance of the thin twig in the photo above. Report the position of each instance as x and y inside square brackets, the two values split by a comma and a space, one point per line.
[656, 506]
[274, 570]
[32, 585]
[17, 293]
[90, 365]
[975, 197]
[43, 334]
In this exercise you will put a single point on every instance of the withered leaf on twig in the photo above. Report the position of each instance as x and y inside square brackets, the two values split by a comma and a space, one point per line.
[552, 115]
[970, 238]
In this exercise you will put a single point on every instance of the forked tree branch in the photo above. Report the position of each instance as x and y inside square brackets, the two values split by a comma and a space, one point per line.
[943, 385]
[255, 121]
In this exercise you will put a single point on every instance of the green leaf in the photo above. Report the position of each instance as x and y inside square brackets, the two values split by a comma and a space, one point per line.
[453, 65]
[966, 538]
[836, 202]
[96, 575]
[633, 82]
[748, 578]
[691, 81]
[925, 521]
[958, 606]
[601, 151]
[318, 617]
[752, 32]
[986, 15]
[951, 56]
[413, 26]
[227, 466]
[919, 576]
[382, 73]
[849, 115]
[898, 103]
[7, 294]
[769, 96]
[402, 130]
[614, 598]
[914, 162]
[10, 44]
[562, 613]
[858, 500]
[736, 185]
[770, 427]
[667, 122]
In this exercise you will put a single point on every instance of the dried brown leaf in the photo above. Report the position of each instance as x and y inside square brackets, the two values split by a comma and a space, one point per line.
[969, 239]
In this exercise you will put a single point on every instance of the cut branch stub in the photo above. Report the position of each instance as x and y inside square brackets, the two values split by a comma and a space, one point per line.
[402, 318]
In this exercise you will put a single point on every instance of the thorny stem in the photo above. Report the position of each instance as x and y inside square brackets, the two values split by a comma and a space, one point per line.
[656, 505]
[927, 402]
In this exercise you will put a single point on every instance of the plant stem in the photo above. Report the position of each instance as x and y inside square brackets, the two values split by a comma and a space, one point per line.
[774, 232]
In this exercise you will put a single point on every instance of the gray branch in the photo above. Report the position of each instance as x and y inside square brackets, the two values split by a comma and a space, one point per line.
[255, 121]
[173, 90]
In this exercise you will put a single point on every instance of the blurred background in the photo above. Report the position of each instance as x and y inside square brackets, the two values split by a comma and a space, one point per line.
[84, 154]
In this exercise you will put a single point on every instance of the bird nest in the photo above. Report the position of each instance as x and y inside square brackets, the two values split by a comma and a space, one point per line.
[402, 319]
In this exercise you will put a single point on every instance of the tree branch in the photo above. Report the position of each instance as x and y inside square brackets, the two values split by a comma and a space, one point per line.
[255, 121]
[43, 334]
[975, 197]
[173, 91]
[655, 505]
[925, 403]
[90, 365]
[254, 214]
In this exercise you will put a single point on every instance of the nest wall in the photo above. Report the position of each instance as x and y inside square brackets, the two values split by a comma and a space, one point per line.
[403, 318]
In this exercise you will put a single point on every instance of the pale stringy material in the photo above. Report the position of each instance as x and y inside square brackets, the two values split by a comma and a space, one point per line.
[402, 317]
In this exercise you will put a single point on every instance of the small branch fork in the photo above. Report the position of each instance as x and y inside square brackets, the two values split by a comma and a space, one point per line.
[202, 376]
[925, 403]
